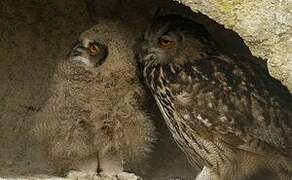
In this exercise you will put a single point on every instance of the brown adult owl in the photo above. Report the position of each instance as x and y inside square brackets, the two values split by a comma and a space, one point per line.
[95, 120]
[228, 115]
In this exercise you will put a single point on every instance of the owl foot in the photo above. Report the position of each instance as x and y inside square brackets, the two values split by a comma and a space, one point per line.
[176, 178]
[127, 176]
[207, 174]
[120, 176]
[82, 175]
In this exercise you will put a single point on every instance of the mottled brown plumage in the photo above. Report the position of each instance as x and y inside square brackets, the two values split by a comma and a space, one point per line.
[228, 115]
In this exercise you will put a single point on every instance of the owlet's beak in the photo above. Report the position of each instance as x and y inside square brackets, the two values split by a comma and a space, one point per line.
[77, 54]
[91, 56]
[77, 49]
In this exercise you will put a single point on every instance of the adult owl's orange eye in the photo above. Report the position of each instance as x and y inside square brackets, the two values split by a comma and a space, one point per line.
[166, 43]
[93, 49]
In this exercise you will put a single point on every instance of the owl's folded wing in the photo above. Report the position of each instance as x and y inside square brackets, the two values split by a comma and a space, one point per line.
[232, 101]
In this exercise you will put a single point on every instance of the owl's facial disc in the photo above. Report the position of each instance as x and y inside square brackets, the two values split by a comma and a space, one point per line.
[160, 47]
[88, 53]
[161, 42]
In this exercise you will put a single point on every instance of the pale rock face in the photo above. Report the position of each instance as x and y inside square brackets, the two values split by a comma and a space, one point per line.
[265, 27]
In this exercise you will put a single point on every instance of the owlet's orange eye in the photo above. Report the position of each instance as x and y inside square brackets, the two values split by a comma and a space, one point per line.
[166, 43]
[93, 49]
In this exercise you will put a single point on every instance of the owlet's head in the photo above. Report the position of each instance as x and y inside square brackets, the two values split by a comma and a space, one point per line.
[105, 43]
[103, 52]
[91, 50]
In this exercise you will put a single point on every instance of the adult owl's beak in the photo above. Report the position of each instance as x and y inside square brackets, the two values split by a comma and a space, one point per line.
[143, 52]
[148, 55]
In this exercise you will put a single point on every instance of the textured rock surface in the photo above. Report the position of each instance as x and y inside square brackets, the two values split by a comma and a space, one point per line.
[265, 26]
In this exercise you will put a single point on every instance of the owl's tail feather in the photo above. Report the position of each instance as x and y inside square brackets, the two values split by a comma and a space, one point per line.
[281, 167]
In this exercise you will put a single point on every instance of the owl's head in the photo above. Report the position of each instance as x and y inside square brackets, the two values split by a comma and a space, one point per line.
[174, 39]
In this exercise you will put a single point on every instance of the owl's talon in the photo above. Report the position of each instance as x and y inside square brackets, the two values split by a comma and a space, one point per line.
[82, 175]
[128, 176]
[207, 174]
[175, 178]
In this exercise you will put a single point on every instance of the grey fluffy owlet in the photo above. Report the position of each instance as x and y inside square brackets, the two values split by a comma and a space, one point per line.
[228, 115]
[94, 118]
